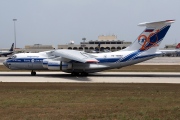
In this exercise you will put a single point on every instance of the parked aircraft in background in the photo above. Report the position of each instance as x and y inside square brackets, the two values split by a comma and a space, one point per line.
[178, 46]
[75, 62]
[171, 52]
[5, 53]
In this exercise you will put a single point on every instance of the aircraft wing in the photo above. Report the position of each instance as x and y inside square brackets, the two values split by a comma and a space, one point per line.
[73, 55]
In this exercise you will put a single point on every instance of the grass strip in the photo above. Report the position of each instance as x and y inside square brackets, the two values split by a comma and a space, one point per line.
[89, 101]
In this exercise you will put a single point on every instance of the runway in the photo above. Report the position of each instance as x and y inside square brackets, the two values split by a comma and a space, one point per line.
[101, 77]
[2, 59]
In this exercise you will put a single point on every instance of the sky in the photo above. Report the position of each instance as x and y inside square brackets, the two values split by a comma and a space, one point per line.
[54, 22]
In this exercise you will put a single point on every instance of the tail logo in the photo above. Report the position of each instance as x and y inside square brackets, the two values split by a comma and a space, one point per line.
[146, 42]
[178, 46]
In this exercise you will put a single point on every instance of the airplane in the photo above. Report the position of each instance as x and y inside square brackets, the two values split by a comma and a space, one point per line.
[170, 52]
[145, 47]
[5, 53]
[178, 46]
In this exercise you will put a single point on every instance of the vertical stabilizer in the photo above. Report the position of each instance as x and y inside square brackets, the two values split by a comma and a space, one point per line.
[178, 46]
[152, 36]
[12, 47]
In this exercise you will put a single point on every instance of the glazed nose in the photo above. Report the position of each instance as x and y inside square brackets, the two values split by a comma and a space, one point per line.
[5, 63]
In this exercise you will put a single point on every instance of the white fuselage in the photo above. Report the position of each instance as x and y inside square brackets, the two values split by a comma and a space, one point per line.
[5, 53]
[34, 61]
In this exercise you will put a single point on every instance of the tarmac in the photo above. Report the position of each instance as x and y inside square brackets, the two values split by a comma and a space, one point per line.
[101, 77]
[2, 59]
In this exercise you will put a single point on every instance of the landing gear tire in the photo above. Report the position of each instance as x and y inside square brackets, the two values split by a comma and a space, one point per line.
[84, 74]
[79, 74]
[75, 74]
[33, 73]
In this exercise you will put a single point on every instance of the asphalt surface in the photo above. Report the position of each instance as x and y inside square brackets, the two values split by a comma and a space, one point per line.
[2, 59]
[102, 77]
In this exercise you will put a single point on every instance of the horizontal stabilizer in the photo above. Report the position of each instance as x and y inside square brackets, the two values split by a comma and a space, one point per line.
[155, 23]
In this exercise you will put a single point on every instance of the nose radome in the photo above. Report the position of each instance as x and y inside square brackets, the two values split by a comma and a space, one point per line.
[5, 63]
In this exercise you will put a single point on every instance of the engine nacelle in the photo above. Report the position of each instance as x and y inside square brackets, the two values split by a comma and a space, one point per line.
[54, 65]
[58, 65]
[45, 63]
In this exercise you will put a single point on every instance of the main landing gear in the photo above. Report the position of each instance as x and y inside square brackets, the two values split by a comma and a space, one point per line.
[79, 74]
[33, 73]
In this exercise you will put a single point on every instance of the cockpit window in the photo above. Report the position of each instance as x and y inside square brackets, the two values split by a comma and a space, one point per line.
[12, 57]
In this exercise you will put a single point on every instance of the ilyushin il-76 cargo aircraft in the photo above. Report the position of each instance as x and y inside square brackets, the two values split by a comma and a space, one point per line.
[145, 47]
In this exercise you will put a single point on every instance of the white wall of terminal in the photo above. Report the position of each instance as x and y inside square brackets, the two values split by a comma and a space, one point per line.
[108, 42]
[113, 47]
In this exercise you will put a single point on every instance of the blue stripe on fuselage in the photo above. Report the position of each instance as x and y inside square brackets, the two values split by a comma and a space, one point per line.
[146, 56]
[26, 60]
[132, 55]
[105, 60]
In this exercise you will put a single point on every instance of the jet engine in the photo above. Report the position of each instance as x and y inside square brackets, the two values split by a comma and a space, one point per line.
[45, 62]
[56, 65]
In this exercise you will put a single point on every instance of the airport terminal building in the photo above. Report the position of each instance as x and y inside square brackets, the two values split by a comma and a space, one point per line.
[38, 48]
[109, 42]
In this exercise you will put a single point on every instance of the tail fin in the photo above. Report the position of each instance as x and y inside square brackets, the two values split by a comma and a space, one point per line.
[97, 49]
[12, 47]
[152, 36]
[178, 46]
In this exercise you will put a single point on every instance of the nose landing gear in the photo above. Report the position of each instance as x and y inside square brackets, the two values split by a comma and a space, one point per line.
[33, 73]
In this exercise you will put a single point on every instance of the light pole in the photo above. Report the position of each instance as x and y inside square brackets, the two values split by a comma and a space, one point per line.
[15, 31]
